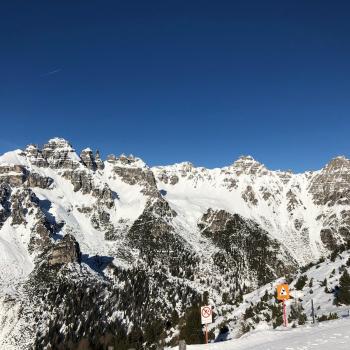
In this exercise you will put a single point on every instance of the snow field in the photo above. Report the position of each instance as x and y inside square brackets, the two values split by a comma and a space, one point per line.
[330, 335]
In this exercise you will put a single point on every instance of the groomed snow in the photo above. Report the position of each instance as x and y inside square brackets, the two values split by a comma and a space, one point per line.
[330, 335]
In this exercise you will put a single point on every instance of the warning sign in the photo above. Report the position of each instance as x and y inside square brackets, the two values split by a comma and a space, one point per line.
[283, 292]
[206, 314]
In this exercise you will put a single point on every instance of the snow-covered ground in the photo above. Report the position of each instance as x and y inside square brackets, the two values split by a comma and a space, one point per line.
[330, 335]
[313, 290]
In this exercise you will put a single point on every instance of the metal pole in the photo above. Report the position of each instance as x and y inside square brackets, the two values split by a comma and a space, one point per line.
[206, 333]
[285, 322]
[182, 345]
[313, 310]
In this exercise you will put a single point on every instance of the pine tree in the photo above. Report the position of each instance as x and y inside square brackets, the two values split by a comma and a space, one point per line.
[343, 296]
[266, 296]
[300, 283]
[277, 315]
[249, 312]
[296, 312]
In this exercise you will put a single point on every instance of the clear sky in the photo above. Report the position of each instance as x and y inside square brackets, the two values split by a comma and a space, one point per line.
[169, 81]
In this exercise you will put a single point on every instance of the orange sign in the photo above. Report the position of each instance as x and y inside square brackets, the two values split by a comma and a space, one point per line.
[283, 292]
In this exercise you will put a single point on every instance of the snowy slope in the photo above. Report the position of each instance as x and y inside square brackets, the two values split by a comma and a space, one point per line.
[333, 335]
[258, 194]
[314, 290]
[15, 261]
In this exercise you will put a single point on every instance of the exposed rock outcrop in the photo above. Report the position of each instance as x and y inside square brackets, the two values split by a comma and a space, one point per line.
[88, 159]
[331, 185]
[134, 172]
[5, 193]
[249, 196]
[249, 166]
[22, 202]
[17, 175]
[65, 251]
[155, 238]
[59, 154]
[41, 234]
[245, 246]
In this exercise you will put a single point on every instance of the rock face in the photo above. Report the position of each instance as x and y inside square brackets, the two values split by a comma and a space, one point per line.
[116, 241]
[331, 185]
[133, 171]
[90, 161]
[59, 154]
[5, 192]
[154, 236]
[330, 188]
[246, 246]
[99, 163]
[249, 166]
[18, 175]
[65, 251]
[249, 196]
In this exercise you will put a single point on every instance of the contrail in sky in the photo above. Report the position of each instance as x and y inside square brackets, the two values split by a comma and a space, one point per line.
[51, 72]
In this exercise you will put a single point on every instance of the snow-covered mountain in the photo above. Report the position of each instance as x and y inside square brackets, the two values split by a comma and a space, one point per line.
[97, 252]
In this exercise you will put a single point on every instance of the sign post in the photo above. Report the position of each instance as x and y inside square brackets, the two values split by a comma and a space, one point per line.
[182, 345]
[313, 310]
[283, 295]
[206, 317]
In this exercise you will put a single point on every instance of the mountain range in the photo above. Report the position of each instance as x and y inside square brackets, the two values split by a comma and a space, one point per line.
[113, 252]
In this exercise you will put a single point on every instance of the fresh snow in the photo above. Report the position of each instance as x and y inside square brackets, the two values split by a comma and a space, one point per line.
[15, 261]
[13, 157]
[323, 301]
[199, 189]
[329, 335]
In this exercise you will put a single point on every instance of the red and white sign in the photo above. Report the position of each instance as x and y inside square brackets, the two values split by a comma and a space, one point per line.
[206, 314]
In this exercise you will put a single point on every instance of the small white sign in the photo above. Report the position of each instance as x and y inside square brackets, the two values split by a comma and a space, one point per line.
[206, 314]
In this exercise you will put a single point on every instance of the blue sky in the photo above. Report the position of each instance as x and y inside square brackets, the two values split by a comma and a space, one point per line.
[203, 81]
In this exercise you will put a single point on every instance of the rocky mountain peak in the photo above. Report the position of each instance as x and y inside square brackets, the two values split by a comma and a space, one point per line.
[59, 153]
[246, 159]
[129, 161]
[248, 165]
[185, 166]
[338, 164]
[35, 156]
[58, 142]
[31, 148]
[331, 184]
[88, 159]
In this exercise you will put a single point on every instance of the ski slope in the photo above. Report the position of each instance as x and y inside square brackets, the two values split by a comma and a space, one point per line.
[330, 335]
